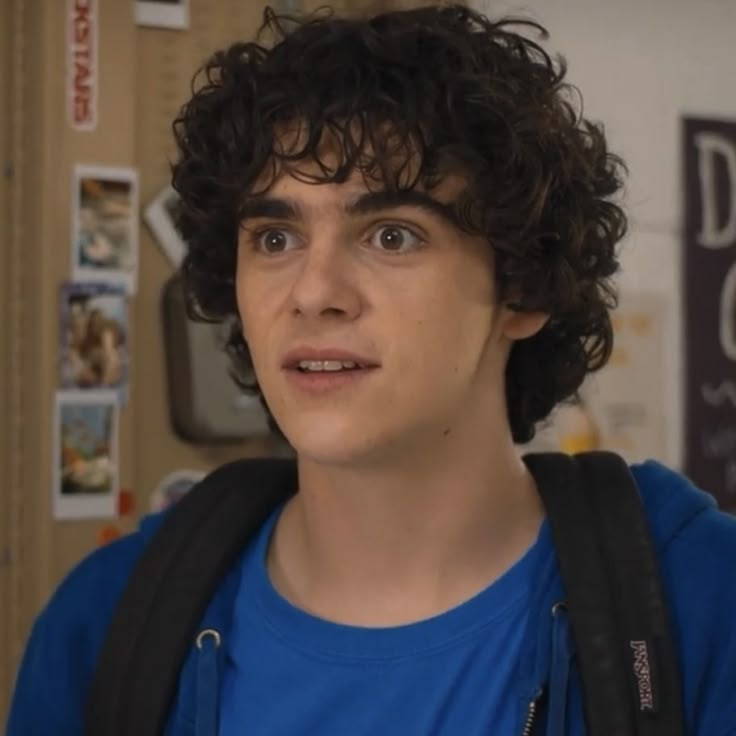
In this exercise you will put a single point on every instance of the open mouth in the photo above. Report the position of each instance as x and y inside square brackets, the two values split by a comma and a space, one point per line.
[322, 375]
[328, 366]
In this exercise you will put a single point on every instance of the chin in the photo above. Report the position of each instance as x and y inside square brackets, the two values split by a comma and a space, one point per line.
[337, 451]
[344, 446]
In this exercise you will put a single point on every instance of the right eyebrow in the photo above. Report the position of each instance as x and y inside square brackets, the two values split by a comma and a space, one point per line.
[267, 207]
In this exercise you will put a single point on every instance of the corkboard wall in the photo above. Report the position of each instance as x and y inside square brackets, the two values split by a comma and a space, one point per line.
[7, 500]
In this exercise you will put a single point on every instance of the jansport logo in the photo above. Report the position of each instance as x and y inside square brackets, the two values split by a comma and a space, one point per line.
[643, 673]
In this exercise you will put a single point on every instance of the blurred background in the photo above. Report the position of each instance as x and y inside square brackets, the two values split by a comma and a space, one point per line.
[112, 405]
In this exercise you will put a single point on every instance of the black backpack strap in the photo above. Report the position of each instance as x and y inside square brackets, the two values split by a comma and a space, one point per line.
[626, 655]
[169, 589]
[652, 662]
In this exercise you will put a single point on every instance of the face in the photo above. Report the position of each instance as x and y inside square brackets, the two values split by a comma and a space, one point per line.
[338, 272]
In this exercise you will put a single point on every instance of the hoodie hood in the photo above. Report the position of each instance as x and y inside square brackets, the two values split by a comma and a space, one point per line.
[670, 500]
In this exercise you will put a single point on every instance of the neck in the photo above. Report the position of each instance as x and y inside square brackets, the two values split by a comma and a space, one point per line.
[386, 544]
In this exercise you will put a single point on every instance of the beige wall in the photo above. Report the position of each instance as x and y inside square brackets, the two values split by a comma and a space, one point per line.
[144, 76]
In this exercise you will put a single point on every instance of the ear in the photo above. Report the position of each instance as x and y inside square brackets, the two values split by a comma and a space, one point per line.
[518, 325]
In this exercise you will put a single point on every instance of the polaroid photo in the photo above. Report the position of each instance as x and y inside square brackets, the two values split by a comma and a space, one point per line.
[162, 13]
[105, 225]
[85, 459]
[160, 216]
[93, 337]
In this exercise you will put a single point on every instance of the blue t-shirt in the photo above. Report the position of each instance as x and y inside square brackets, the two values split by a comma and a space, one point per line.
[289, 672]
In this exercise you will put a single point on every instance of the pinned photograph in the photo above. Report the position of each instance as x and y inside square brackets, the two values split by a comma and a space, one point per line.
[93, 351]
[85, 466]
[160, 216]
[162, 13]
[104, 225]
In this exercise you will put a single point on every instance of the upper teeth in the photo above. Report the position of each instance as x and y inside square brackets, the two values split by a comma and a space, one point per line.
[326, 365]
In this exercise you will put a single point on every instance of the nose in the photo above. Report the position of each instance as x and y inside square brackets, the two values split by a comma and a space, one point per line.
[326, 282]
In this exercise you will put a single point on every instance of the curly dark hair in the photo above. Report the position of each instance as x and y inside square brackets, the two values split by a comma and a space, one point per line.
[459, 92]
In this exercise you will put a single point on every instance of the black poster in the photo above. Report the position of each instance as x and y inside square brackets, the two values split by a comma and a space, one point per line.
[710, 306]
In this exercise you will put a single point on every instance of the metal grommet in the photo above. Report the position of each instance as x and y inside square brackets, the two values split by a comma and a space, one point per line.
[559, 606]
[208, 632]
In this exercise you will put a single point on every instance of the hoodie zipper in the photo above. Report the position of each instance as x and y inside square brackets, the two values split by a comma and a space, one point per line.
[531, 713]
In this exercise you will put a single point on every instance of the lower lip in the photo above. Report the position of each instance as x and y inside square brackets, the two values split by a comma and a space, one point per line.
[326, 381]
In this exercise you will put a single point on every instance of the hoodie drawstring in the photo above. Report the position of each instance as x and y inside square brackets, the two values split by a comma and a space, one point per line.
[208, 684]
[559, 676]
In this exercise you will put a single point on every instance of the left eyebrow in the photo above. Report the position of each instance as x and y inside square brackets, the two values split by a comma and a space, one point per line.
[376, 202]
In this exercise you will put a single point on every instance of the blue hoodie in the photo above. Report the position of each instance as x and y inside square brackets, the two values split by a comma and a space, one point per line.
[696, 549]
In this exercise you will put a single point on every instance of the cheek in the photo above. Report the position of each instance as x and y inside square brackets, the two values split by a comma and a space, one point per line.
[460, 311]
[448, 332]
[250, 311]
[250, 292]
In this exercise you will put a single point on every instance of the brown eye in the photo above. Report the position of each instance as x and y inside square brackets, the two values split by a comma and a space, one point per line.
[274, 241]
[394, 238]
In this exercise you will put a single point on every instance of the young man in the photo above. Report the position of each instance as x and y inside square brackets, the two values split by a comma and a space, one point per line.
[415, 230]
